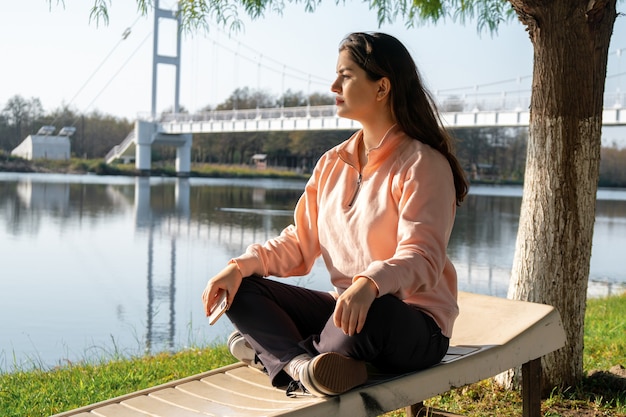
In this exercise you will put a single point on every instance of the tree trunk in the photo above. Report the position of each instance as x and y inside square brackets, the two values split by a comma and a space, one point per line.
[551, 264]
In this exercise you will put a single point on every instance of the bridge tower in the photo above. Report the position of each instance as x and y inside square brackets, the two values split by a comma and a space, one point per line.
[157, 58]
[146, 132]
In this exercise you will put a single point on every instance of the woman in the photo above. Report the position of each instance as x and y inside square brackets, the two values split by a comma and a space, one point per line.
[379, 208]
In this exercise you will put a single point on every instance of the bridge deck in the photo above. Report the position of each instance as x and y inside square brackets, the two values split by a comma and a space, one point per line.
[290, 119]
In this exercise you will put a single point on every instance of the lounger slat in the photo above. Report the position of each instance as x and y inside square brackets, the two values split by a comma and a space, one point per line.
[116, 410]
[251, 376]
[236, 395]
[254, 391]
[157, 408]
[182, 398]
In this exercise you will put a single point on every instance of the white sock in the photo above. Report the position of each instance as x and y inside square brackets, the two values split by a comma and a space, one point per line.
[294, 366]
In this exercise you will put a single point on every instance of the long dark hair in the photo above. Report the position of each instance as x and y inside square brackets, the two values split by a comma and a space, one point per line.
[381, 55]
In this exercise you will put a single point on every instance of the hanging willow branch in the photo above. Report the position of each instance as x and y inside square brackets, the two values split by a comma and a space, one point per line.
[201, 14]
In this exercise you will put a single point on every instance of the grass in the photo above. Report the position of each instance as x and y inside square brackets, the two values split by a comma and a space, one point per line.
[99, 167]
[606, 322]
[599, 394]
[45, 392]
[42, 393]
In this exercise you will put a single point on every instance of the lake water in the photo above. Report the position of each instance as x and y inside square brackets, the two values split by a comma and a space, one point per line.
[97, 267]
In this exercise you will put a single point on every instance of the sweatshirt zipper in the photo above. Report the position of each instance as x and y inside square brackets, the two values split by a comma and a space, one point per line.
[358, 188]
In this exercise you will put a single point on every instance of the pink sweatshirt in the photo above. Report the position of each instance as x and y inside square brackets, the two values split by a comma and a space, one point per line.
[389, 221]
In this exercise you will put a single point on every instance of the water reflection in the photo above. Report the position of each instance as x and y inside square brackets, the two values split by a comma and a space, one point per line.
[89, 262]
[44, 196]
[159, 215]
[161, 285]
[483, 242]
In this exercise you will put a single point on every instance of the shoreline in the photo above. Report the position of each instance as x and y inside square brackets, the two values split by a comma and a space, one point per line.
[78, 166]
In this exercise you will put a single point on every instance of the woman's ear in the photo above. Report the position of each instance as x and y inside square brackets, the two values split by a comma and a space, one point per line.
[384, 87]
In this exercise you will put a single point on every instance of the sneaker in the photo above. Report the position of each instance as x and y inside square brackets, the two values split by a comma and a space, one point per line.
[241, 349]
[296, 389]
[332, 374]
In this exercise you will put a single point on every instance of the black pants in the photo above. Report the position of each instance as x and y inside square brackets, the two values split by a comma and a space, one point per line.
[281, 321]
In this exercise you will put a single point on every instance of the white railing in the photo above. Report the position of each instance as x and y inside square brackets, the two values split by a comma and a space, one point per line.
[247, 114]
[457, 111]
[505, 102]
[119, 149]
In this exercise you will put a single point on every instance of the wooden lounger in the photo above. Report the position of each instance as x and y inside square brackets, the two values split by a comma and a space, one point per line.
[490, 336]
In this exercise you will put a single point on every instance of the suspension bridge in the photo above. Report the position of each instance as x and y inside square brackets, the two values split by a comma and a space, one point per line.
[458, 110]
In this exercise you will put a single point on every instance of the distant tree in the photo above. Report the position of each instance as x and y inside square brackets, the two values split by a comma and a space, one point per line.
[21, 114]
[170, 110]
[249, 144]
[299, 99]
[472, 148]
[102, 132]
[613, 167]
[500, 150]
[201, 148]
[276, 147]
[226, 148]
[514, 154]
[308, 146]
[321, 99]
[292, 99]
[452, 104]
[96, 133]
[5, 133]
[247, 98]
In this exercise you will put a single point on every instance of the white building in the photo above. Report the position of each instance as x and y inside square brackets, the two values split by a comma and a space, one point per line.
[44, 146]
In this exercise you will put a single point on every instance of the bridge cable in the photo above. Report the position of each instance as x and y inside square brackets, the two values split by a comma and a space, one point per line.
[124, 36]
[115, 75]
[299, 74]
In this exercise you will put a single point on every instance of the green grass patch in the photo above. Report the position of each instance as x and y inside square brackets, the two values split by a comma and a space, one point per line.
[166, 169]
[605, 333]
[599, 394]
[241, 171]
[40, 393]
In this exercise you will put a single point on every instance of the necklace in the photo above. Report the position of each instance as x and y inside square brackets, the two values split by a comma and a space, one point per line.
[367, 150]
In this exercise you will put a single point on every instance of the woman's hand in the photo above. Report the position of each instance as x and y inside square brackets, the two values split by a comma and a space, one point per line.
[229, 280]
[352, 306]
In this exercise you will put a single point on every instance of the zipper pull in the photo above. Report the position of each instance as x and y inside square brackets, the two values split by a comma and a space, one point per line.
[356, 192]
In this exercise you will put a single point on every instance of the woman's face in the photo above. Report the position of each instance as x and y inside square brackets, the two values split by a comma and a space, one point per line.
[356, 95]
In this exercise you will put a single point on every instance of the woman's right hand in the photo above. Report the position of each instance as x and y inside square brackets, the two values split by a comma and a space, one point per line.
[229, 280]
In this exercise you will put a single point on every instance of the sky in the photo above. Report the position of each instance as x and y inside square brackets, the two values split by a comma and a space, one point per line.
[52, 51]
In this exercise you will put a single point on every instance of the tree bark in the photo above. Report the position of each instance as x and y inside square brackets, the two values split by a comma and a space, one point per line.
[551, 263]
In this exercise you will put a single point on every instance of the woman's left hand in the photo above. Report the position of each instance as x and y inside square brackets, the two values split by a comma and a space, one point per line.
[352, 306]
